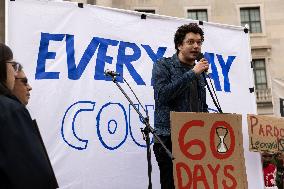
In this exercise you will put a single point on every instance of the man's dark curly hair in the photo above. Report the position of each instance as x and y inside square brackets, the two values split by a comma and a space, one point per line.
[185, 29]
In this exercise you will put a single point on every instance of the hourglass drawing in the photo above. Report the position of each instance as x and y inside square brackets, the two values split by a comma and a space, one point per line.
[222, 133]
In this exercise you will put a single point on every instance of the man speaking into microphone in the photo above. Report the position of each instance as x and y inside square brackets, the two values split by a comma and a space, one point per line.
[178, 86]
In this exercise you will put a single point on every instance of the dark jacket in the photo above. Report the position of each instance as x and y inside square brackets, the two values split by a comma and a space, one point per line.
[171, 82]
[23, 162]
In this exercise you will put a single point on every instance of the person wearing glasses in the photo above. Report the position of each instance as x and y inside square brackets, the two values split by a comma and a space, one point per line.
[22, 88]
[23, 162]
[178, 86]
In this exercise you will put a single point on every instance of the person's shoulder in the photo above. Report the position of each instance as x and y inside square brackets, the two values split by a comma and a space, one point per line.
[10, 104]
[165, 61]
[7, 100]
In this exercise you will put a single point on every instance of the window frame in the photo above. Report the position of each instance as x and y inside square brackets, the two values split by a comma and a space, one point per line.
[196, 11]
[250, 20]
[261, 10]
[265, 71]
[207, 8]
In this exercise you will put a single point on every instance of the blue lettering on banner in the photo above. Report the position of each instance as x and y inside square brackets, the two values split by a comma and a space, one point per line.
[102, 58]
[74, 72]
[154, 56]
[100, 45]
[123, 59]
[99, 125]
[214, 74]
[44, 54]
[225, 70]
[68, 133]
[127, 59]
[107, 127]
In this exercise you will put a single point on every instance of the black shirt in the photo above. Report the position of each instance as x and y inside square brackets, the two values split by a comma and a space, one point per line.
[23, 162]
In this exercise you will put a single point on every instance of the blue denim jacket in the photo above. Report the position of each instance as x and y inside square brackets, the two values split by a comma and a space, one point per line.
[171, 82]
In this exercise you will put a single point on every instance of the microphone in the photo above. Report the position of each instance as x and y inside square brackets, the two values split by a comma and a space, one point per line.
[198, 58]
[111, 73]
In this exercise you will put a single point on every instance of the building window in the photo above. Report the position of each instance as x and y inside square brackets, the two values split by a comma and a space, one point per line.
[260, 74]
[251, 17]
[91, 2]
[146, 10]
[197, 14]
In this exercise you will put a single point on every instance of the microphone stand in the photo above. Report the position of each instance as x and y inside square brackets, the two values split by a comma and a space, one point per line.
[145, 132]
[211, 94]
[216, 103]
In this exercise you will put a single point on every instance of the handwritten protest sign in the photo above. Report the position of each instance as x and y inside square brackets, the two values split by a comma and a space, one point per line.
[266, 133]
[208, 151]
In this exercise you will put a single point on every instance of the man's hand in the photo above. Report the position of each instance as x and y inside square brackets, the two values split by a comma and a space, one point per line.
[201, 66]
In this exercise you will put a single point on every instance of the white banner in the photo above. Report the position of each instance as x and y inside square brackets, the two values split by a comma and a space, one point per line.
[278, 96]
[91, 133]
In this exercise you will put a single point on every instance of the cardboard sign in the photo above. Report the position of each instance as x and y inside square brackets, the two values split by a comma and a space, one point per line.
[208, 151]
[266, 133]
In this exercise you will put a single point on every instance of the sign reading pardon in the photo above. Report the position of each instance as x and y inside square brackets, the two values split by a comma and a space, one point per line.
[266, 133]
[208, 151]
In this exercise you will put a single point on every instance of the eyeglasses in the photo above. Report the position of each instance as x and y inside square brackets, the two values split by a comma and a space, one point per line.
[192, 42]
[24, 80]
[15, 65]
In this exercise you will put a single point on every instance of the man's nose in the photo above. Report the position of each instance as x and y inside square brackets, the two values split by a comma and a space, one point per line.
[195, 45]
[29, 87]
